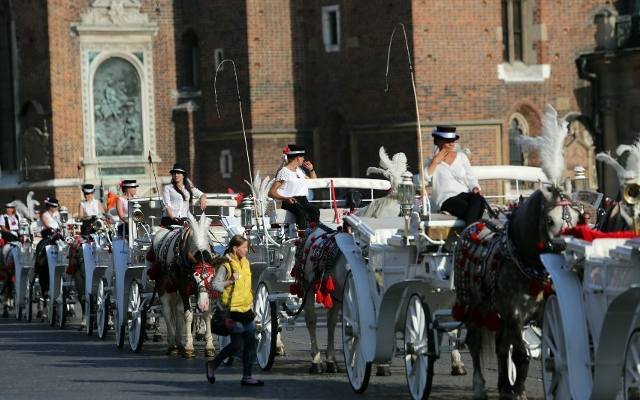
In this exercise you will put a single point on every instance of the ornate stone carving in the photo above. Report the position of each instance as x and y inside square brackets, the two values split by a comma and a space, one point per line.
[114, 12]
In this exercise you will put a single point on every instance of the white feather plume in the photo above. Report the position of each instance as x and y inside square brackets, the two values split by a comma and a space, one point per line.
[631, 169]
[550, 144]
[31, 205]
[200, 231]
[22, 209]
[391, 168]
[260, 191]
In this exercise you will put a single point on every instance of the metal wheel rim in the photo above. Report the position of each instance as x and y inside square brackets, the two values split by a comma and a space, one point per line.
[263, 314]
[355, 364]
[119, 328]
[29, 305]
[101, 314]
[555, 370]
[134, 314]
[631, 375]
[88, 317]
[416, 358]
[62, 305]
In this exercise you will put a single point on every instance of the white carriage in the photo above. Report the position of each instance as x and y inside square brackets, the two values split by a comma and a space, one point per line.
[22, 254]
[591, 328]
[400, 284]
[273, 250]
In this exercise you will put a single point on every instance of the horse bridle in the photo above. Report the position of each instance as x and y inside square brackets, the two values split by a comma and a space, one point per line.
[565, 202]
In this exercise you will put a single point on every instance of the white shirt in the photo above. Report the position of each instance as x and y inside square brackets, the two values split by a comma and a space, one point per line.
[293, 183]
[14, 223]
[51, 220]
[125, 205]
[91, 208]
[173, 200]
[450, 180]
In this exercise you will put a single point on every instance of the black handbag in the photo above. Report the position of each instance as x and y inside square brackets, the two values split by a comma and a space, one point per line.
[221, 322]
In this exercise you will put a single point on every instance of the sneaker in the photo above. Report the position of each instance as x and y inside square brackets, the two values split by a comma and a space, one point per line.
[211, 372]
[251, 382]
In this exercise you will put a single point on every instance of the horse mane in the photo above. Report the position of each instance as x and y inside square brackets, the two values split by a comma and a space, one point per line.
[520, 225]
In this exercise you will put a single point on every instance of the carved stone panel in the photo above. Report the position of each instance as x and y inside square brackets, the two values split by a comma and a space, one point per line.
[117, 109]
[36, 164]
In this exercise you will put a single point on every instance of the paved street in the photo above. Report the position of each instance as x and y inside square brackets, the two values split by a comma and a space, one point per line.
[39, 362]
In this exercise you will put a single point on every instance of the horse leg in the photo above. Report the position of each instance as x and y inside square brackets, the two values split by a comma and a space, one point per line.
[332, 320]
[280, 349]
[474, 343]
[209, 348]
[169, 319]
[188, 343]
[457, 366]
[503, 345]
[520, 358]
[310, 319]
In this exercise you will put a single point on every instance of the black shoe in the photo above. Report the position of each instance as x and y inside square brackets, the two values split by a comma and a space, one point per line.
[210, 371]
[251, 382]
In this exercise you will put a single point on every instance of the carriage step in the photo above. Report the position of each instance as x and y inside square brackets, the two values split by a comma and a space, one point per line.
[277, 297]
[447, 326]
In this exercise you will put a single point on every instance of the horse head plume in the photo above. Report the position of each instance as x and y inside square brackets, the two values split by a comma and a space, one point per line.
[550, 144]
[22, 209]
[632, 169]
[391, 168]
[260, 191]
[200, 231]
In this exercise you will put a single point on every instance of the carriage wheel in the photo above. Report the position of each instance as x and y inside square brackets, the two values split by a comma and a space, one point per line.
[358, 370]
[89, 306]
[119, 328]
[267, 334]
[136, 318]
[555, 370]
[62, 306]
[631, 375]
[51, 311]
[102, 310]
[29, 305]
[418, 349]
[222, 342]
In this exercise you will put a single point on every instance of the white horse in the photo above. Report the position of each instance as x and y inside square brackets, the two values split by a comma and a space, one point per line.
[183, 260]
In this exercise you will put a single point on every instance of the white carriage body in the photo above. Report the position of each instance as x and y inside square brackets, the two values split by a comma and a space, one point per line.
[597, 286]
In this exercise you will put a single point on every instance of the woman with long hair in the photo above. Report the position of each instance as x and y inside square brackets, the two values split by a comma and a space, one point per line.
[178, 196]
[455, 189]
[291, 187]
[233, 281]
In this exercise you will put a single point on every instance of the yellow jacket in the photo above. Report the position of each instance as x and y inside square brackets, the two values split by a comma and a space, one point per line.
[242, 297]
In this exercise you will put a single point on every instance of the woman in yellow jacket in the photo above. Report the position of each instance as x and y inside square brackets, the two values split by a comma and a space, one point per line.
[233, 281]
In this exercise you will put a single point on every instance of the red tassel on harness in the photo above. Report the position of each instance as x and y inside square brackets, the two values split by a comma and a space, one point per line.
[329, 284]
[328, 302]
[319, 297]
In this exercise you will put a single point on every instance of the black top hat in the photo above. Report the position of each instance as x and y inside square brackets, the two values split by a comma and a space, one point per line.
[88, 188]
[178, 168]
[129, 183]
[294, 150]
[445, 132]
[51, 202]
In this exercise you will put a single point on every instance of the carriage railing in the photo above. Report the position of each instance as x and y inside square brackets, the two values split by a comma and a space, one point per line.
[140, 226]
[323, 196]
[218, 205]
[517, 180]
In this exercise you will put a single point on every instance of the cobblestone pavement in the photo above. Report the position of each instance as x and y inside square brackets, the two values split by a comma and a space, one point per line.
[39, 362]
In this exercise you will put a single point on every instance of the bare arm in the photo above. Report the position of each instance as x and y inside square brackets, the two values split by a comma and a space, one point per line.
[120, 209]
[80, 212]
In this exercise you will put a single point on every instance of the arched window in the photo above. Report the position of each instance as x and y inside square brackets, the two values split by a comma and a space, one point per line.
[117, 109]
[517, 127]
[190, 60]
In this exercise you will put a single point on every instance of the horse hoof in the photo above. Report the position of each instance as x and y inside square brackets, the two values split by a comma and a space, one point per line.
[316, 368]
[332, 367]
[458, 370]
[209, 353]
[383, 370]
[187, 353]
[172, 351]
[280, 351]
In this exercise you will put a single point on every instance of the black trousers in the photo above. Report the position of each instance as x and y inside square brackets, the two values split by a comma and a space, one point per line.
[467, 206]
[304, 211]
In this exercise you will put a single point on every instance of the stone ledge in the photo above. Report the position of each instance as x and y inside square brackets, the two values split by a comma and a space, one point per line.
[522, 73]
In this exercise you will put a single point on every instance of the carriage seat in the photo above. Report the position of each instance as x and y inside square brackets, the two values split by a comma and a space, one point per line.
[443, 225]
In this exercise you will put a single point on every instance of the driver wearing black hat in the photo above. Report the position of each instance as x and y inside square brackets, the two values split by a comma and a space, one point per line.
[51, 217]
[10, 223]
[89, 209]
[178, 196]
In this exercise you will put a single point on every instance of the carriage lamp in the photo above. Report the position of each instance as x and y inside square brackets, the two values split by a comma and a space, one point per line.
[64, 215]
[580, 181]
[406, 195]
[24, 228]
[137, 213]
[631, 196]
[246, 212]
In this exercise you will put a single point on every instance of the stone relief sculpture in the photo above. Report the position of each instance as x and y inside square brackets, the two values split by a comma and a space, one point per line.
[117, 109]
